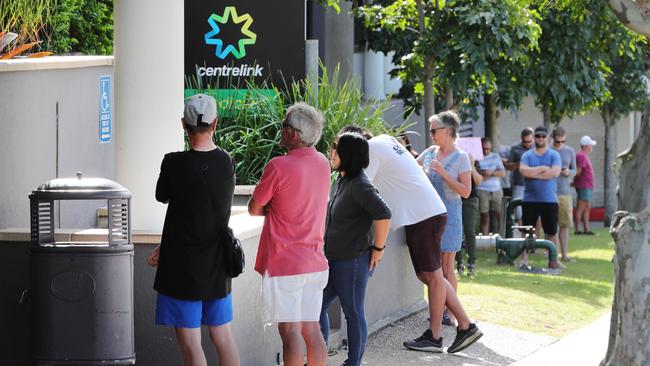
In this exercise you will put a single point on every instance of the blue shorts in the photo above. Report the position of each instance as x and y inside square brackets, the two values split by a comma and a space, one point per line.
[584, 194]
[191, 313]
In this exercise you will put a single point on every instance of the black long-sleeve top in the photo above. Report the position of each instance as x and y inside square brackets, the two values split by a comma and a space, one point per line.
[198, 187]
[354, 204]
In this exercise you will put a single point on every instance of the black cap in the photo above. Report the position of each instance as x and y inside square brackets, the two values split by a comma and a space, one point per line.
[541, 129]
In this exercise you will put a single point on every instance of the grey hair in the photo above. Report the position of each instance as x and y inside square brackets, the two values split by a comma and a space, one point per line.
[447, 119]
[308, 120]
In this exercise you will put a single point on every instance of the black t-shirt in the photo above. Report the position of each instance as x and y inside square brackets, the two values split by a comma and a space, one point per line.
[198, 187]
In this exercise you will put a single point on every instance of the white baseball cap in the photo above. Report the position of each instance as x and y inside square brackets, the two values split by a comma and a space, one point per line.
[200, 110]
[586, 140]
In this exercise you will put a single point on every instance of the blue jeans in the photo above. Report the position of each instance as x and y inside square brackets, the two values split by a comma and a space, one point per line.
[348, 280]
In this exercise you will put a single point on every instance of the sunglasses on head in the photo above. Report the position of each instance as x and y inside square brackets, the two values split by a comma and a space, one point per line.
[285, 124]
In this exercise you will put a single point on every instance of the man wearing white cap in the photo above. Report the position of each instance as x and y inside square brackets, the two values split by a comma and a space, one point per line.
[193, 287]
[584, 184]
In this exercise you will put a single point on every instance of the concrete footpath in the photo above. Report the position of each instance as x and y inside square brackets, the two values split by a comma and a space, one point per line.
[498, 346]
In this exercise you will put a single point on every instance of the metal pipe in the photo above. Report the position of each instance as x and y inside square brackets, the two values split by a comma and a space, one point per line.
[509, 220]
[508, 250]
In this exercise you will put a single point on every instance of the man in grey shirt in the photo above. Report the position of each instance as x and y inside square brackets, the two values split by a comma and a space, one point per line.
[514, 157]
[564, 197]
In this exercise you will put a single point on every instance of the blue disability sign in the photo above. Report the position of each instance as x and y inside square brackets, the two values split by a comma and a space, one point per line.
[105, 128]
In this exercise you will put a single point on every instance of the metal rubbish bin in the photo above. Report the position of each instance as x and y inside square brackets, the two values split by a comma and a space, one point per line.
[81, 291]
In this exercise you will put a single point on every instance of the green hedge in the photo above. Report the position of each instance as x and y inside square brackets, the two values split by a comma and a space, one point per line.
[79, 26]
[251, 132]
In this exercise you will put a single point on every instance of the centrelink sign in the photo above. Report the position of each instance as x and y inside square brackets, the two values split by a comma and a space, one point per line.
[231, 44]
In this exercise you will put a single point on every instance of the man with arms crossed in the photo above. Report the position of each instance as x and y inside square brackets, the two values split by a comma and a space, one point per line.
[292, 196]
[540, 167]
[416, 205]
[564, 196]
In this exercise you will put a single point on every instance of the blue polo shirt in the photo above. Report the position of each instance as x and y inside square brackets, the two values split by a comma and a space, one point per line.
[541, 190]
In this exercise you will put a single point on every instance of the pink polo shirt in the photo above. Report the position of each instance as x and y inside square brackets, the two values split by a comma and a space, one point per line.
[294, 188]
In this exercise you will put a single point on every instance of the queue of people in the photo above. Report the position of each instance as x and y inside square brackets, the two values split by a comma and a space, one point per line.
[320, 242]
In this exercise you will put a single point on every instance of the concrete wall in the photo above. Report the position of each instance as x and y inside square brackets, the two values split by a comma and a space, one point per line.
[393, 292]
[30, 91]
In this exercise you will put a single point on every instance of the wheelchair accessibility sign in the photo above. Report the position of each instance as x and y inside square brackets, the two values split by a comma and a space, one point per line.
[105, 127]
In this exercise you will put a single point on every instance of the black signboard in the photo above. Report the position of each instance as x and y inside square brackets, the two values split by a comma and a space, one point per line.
[229, 44]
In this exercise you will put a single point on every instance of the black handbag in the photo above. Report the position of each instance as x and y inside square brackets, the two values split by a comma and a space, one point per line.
[233, 254]
[234, 259]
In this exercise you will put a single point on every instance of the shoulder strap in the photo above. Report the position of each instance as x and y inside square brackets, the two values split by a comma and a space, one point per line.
[203, 169]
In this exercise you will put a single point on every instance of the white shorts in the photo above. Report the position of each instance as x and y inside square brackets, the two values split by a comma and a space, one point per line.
[296, 298]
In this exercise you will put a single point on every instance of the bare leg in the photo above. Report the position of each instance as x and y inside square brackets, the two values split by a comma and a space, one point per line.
[449, 273]
[564, 241]
[579, 213]
[495, 216]
[316, 348]
[585, 216]
[189, 343]
[292, 350]
[436, 292]
[224, 343]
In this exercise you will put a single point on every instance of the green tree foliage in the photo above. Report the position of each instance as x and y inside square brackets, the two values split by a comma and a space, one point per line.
[479, 46]
[569, 70]
[84, 26]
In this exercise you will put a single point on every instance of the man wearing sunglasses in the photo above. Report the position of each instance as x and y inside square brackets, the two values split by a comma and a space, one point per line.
[564, 196]
[292, 196]
[540, 168]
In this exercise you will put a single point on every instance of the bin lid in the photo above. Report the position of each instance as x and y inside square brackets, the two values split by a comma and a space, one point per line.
[79, 188]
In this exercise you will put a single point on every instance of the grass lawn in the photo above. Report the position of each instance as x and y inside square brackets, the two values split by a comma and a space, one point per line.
[546, 304]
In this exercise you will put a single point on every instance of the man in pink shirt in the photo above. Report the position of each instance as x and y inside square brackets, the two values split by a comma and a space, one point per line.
[292, 196]
[584, 184]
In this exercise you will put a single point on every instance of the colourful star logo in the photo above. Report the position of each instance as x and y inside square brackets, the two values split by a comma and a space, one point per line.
[230, 13]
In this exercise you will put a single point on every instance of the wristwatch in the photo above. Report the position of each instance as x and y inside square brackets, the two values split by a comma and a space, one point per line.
[375, 247]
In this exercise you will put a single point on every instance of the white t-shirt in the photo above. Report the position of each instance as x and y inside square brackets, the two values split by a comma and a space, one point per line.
[401, 182]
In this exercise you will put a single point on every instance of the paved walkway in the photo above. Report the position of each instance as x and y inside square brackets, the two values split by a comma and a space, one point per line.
[499, 346]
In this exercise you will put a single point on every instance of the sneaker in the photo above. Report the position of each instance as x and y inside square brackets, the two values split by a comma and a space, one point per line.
[425, 343]
[460, 269]
[465, 338]
[525, 268]
[446, 320]
[471, 271]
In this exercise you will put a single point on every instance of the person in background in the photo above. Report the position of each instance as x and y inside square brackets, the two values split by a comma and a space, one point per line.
[352, 253]
[449, 171]
[506, 185]
[564, 197]
[417, 208]
[540, 167]
[292, 197]
[489, 191]
[514, 157]
[470, 214]
[193, 287]
[584, 184]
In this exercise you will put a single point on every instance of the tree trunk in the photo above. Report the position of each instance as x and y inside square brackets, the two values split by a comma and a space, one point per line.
[633, 14]
[629, 331]
[610, 178]
[491, 130]
[429, 64]
[449, 98]
[546, 113]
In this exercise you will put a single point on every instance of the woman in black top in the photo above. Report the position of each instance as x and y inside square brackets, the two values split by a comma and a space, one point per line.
[353, 207]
